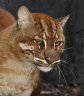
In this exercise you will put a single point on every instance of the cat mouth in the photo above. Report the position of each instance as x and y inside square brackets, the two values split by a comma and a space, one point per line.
[44, 66]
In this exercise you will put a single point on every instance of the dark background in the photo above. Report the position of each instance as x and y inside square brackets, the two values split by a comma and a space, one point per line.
[73, 66]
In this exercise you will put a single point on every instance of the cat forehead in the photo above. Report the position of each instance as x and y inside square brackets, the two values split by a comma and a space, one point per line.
[46, 24]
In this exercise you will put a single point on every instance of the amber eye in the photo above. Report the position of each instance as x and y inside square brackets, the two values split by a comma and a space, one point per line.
[58, 43]
[39, 43]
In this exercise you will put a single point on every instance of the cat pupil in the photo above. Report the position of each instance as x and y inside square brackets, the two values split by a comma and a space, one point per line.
[42, 45]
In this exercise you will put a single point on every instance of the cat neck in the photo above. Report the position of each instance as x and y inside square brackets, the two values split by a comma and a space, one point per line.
[28, 67]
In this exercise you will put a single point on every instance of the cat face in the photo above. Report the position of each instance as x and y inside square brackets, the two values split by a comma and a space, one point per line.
[39, 39]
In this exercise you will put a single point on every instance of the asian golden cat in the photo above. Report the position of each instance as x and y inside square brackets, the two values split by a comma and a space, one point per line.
[34, 42]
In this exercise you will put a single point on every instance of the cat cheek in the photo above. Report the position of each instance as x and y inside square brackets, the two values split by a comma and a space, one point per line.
[29, 57]
[61, 48]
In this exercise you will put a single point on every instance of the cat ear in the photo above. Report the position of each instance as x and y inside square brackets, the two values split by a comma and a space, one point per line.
[63, 20]
[24, 17]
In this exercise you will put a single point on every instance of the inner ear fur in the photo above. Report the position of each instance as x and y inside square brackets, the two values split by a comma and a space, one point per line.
[24, 17]
[63, 20]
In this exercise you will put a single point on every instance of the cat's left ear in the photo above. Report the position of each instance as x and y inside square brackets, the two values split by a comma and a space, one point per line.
[63, 20]
[24, 17]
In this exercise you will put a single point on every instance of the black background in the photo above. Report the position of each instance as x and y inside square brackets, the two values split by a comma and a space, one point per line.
[74, 32]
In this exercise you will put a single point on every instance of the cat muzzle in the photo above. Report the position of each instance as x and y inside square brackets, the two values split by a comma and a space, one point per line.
[44, 66]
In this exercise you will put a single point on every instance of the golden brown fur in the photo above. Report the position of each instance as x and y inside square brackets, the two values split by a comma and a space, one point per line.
[34, 42]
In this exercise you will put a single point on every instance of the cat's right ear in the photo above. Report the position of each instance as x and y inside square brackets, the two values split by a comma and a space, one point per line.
[63, 20]
[24, 17]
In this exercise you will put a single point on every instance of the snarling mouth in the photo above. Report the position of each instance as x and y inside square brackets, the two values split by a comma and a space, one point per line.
[44, 66]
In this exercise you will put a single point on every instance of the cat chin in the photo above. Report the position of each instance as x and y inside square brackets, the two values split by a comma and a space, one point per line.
[45, 69]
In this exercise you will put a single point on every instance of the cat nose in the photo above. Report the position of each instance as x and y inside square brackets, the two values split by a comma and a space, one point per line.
[48, 60]
[50, 56]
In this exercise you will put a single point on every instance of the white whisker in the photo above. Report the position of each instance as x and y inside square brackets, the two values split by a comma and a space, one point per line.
[67, 49]
[55, 62]
[69, 70]
[62, 74]
[59, 75]
[41, 60]
[65, 62]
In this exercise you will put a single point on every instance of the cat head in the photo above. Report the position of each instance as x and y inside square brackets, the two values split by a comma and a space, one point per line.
[39, 38]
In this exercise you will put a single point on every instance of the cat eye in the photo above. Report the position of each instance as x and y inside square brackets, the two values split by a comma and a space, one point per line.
[57, 43]
[40, 43]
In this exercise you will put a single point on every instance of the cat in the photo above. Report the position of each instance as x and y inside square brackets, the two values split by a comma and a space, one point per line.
[32, 44]
[6, 19]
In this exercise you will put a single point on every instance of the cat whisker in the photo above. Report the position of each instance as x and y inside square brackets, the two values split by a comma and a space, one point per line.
[66, 58]
[39, 60]
[61, 73]
[72, 73]
[67, 69]
[63, 61]
[67, 49]
[55, 62]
